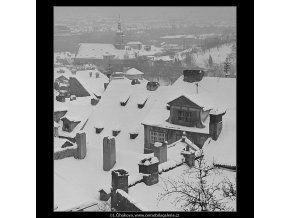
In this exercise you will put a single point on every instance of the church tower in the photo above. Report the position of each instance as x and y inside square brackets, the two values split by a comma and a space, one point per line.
[119, 38]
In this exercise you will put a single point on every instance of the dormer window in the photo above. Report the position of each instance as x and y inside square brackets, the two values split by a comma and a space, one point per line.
[184, 116]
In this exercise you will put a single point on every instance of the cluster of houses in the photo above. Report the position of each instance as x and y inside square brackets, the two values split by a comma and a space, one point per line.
[132, 132]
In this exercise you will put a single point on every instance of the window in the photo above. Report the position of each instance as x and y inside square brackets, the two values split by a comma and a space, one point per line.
[184, 116]
[157, 137]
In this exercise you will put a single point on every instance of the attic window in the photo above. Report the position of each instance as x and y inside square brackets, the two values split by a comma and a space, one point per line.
[184, 116]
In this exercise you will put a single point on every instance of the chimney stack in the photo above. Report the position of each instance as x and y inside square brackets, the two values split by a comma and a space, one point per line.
[109, 153]
[160, 151]
[149, 168]
[81, 145]
[119, 181]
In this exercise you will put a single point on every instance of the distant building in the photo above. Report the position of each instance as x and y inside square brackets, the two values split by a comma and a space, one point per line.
[135, 45]
[117, 53]
[119, 38]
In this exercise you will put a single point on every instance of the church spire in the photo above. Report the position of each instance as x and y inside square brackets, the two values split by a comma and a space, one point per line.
[119, 24]
[119, 38]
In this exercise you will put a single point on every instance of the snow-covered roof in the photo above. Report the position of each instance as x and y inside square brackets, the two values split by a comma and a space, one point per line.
[56, 124]
[203, 100]
[77, 182]
[58, 142]
[134, 71]
[94, 85]
[163, 58]
[134, 43]
[99, 50]
[179, 37]
[109, 112]
[77, 111]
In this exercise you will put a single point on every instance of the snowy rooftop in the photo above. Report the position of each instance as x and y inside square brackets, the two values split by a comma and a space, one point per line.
[110, 113]
[93, 84]
[58, 142]
[99, 50]
[77, 182]
[134, 71]
[77, 110]
[134, 43]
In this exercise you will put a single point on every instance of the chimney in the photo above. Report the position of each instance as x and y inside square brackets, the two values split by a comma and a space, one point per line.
[94, 101]
[60, 98]
[73, 97]
[215, 125]
[109, 153]
[149, 168]
[183, 136]
[119, 181]
[189, 156]
[194, 75]
[81, 145]
[160, 151]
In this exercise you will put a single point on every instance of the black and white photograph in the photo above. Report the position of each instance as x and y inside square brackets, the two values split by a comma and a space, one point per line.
[144, 109]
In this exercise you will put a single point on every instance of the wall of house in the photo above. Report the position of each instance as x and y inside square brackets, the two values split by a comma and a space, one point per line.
[172, 136]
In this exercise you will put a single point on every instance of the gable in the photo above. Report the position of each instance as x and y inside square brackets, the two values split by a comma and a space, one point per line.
[183, 101]
[77, 89]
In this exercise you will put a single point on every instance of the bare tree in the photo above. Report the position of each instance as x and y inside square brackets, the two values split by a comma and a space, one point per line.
[197, 190]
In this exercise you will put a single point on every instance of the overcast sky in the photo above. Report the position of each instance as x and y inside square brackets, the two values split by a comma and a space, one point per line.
[202, 13]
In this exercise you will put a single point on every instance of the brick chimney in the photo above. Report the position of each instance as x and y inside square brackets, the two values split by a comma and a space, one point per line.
[194, 75]
[149, 168]
[119, 181]
[94, 101]
[215, 125]
[160, 151]
[60, 98]
[189, 156]
[81, 145]
[109, 153]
